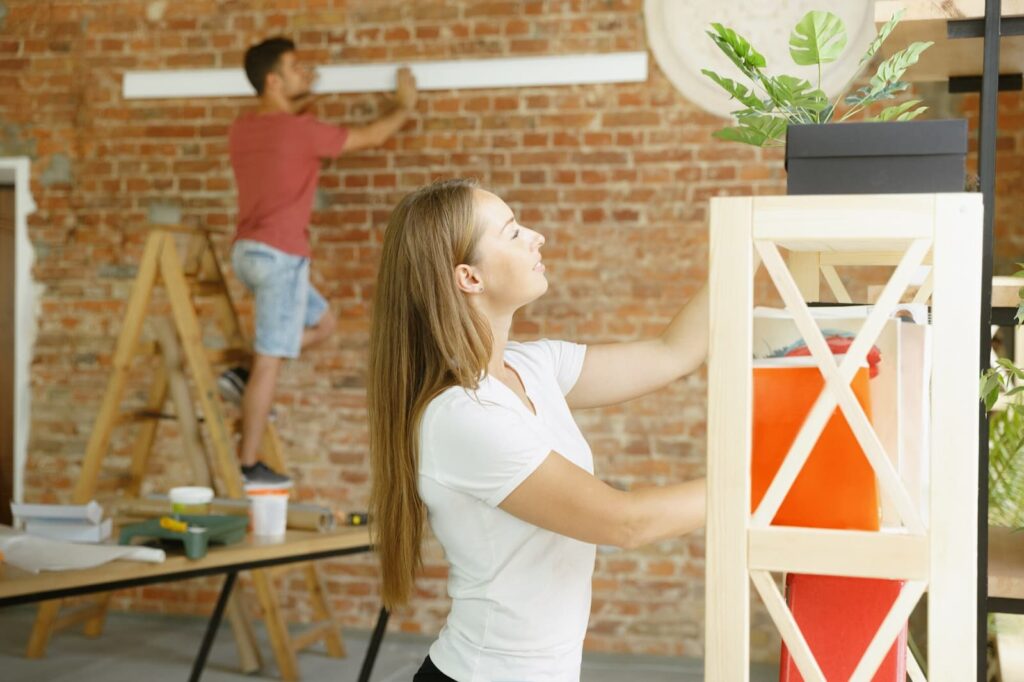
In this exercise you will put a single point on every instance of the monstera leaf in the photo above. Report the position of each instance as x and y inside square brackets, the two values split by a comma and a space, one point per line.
[818, 39]
[738, 50]
[756, 128]
[737, 90]
[900, 112]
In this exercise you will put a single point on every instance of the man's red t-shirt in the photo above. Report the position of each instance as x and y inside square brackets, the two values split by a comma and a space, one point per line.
[276, 159]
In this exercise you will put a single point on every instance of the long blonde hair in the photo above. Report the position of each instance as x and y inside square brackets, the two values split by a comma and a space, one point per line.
[424, 338]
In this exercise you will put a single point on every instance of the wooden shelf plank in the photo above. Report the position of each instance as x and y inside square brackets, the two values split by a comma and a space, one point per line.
[1006, 291]
[926, 20]
[1005, 563]
[865, 554]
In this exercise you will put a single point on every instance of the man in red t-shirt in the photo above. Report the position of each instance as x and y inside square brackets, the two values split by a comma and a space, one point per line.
[276, 153]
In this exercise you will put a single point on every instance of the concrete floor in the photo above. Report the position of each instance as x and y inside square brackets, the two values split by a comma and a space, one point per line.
[150, 648]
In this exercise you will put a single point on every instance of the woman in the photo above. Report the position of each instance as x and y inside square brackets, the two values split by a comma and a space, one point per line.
[474, 432]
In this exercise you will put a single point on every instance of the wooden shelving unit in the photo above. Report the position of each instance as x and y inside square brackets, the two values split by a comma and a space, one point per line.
[933, 549]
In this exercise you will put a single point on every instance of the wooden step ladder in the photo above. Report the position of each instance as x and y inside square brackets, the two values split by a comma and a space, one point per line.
[179, 343]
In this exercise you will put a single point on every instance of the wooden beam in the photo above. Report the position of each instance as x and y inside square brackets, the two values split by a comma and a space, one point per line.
[730, 396]
[863, 554]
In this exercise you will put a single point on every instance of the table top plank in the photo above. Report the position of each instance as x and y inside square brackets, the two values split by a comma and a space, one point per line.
[295, 544]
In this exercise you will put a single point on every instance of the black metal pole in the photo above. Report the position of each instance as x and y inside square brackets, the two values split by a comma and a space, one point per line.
[212, 626]
[987, 120]
[371, 648]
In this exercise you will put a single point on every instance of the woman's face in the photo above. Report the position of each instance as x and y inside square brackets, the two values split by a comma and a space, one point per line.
[508, 272]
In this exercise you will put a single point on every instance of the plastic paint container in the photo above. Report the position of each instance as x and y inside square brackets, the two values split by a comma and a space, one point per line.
[191, 500]
[268, 511]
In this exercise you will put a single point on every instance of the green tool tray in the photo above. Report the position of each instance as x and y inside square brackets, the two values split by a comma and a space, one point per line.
[221, 529]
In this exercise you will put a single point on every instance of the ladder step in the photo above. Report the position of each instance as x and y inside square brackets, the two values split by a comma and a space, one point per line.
[228, 355]
[185, 229]
[205, 288]
[147, 349]
[136, 416]
[213, 355]
[311, 635]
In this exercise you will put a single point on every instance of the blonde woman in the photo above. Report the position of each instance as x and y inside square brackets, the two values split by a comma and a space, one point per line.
[473, 432]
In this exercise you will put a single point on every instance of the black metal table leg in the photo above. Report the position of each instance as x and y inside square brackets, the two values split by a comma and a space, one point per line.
[212, 626]
[373, 646]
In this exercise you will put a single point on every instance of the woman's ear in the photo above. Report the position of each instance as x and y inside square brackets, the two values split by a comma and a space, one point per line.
[467, 279]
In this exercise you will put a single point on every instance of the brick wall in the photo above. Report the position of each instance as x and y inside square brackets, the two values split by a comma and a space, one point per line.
[1009, 229]
[616, 176]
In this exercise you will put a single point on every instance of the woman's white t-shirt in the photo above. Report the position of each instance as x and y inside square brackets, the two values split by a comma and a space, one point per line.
[520, 594]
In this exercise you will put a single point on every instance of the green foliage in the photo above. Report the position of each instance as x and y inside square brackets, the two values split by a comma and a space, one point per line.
[1006, 467]
[737, 49]
[900, 112]
[886, 81]
[770, 104]
[1020, 294]
[819, 38]
[756, 129]
[738, 91]
[1005, 379]
[883, 33]
[1006, 436]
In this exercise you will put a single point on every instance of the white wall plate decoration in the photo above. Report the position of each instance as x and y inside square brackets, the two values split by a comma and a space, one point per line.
[676, 33]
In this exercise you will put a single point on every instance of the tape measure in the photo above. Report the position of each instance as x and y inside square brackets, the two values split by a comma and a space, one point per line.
[173, 525]
[357, 518]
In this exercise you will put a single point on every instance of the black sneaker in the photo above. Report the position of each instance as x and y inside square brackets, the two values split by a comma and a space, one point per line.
[231, 383]
[259, 475]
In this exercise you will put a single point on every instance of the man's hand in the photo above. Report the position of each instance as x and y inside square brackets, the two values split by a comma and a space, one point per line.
[405, 89]
[378, 132]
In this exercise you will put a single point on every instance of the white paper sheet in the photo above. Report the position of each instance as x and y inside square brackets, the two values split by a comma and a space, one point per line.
[34, 554]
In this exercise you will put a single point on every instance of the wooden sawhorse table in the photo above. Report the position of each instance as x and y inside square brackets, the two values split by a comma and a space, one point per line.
[20, 587]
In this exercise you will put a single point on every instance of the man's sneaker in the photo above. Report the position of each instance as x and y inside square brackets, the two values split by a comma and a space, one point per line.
[231, 383]
[259, 475]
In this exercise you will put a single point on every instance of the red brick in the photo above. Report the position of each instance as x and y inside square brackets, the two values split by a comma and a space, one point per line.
[482, 29]
[492, 9]
[630, 118]
[397, 34]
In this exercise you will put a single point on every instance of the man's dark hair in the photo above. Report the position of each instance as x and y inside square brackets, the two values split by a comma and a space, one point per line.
[262, 58]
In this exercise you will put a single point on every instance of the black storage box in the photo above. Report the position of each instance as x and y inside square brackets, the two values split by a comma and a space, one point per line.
[876, 158]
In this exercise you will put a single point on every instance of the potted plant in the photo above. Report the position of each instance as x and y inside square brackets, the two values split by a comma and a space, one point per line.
[889, 153]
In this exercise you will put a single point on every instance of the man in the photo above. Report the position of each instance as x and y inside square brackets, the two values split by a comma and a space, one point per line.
[276, 153]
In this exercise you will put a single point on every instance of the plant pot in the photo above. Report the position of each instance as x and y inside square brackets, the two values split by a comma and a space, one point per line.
[876, 158]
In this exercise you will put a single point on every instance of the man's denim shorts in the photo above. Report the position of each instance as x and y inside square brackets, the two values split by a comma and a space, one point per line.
[286, 302]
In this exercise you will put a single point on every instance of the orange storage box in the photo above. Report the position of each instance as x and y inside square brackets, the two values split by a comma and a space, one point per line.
[836, 487]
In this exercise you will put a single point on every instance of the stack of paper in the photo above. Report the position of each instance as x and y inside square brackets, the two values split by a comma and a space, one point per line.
[69, 522]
